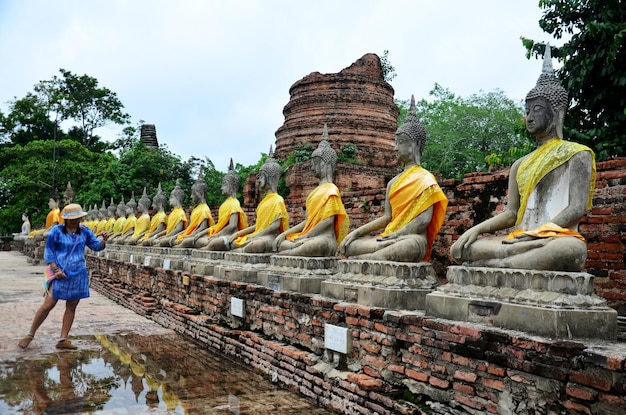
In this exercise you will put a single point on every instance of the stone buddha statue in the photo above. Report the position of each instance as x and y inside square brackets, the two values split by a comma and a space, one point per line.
[176, 220]
[120, 219]
[129, 222]
[25, 231]
[200, 219]
[549, 191]
[326, 221]
[158, 222]
[415, 206]
[231, 217]
[271, 213]
[142, 225]
[103, 219]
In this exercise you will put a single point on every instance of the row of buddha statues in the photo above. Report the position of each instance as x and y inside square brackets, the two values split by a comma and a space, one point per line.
[549, 192]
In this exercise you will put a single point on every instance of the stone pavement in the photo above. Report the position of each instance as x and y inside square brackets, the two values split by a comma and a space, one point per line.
[21, 295]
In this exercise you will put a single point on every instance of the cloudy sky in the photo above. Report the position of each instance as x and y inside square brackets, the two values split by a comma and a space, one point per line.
[214, 76]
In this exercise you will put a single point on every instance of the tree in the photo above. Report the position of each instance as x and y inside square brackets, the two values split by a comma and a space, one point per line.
[389, 72]
[593, 73]
[462, 132]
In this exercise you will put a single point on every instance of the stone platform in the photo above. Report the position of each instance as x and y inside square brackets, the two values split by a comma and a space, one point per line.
[547, 303]
[296, 273]
[241, 266]
[395, 285]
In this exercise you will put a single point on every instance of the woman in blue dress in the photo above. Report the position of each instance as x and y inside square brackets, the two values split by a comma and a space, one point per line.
[65, 253]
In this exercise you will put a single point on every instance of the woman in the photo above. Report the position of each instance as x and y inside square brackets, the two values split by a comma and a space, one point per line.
[65, 253]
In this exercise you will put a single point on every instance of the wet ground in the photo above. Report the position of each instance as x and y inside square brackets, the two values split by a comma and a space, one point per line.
[125, 364]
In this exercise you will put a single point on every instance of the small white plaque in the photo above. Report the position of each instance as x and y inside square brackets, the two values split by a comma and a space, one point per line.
[106, 255]
[146, 261]
[236, 307]
[166, 263]
[132, 258]
[338, 338]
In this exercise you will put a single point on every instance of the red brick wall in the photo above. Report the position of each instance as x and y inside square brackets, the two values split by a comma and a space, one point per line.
[397, 355]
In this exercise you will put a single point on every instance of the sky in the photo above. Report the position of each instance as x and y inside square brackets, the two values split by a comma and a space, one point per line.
[213, 76]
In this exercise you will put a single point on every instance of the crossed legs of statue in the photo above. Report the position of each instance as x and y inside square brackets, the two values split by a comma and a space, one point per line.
[408, 248]
[557, 253]
[320, 246]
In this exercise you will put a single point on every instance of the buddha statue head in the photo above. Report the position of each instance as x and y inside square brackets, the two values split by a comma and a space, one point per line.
[177, 195]
[68, 195]
[269, 173]
[158, 202]
[103, 212]
[230, 184]
[121, 208]
[131, 206]
[53, 202]
[414, 130]
[548, 91]
[326, 154]
[144, 202]
[112, 208]
[199, 189]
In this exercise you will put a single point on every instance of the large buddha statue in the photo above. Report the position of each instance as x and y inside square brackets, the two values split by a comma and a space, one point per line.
[25, 231]
[230, 219]
[326, 221]
[549, 191]
[176, 220]
[271, 214]
[200, 219]
[158, 222]
[142, 225]
[415, 207]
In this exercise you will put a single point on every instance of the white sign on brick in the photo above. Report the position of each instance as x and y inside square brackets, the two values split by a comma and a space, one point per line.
[236, 307]
[338, 338]
[166, 263]
[146, 261]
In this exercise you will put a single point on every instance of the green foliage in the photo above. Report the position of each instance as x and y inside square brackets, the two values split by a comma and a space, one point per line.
[593, 73]
[347, 153]
[463, 131]
[301, 154]
[389, 72]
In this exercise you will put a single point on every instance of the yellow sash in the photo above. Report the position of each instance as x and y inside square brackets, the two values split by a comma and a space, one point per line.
[321, 203]
[542, 161]
[53, 216]
[411, 194]
[108, 226]
[129, 224]
[176, 216]
[142, 225]
[199, 214]
[158, 218]
[271, 208]
[118, 225]
[230, 206]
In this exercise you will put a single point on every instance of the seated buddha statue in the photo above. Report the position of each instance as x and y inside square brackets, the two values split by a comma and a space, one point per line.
[326, 221]
[120, 219]
[129, 223]
[176, 220]
[142, 225]
[271, 213]
[158, 221]
[230, 219]
[549, 191]
[102, 219]
[25, 231]
[414, 210]
[200, 219]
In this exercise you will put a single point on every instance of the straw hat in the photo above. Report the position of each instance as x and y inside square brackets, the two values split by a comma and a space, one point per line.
[73, 211]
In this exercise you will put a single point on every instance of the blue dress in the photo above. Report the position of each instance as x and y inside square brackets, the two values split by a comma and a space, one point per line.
[68, 252]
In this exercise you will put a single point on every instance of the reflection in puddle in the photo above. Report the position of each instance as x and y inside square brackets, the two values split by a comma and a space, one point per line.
[132, 374]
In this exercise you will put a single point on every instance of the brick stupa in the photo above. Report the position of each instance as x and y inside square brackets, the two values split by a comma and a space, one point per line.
[357, 106]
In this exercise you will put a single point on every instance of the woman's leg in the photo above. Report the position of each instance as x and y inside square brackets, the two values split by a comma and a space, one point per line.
[68, 317]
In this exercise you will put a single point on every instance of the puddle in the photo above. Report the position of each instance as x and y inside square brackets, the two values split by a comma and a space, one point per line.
[134, 374]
